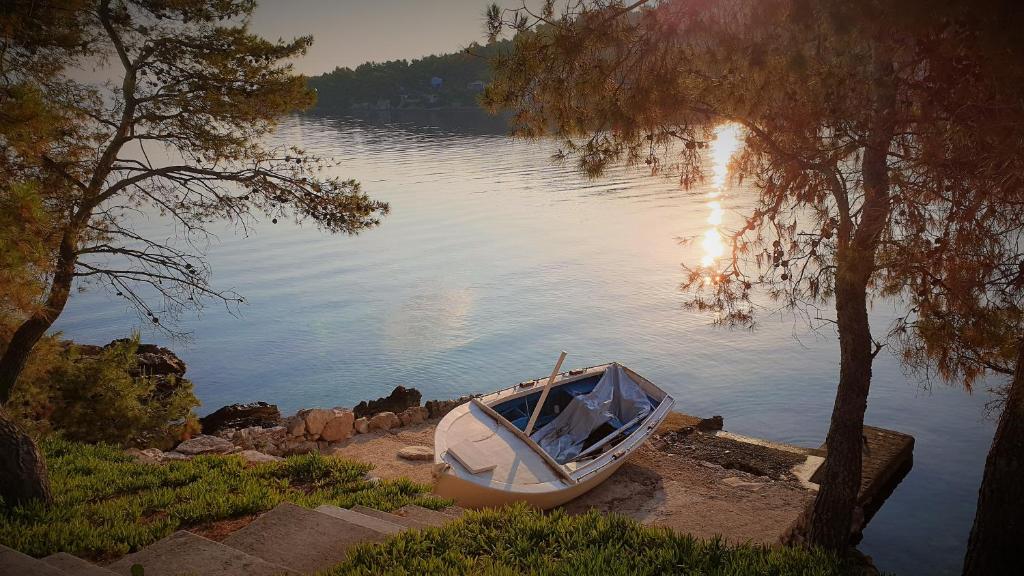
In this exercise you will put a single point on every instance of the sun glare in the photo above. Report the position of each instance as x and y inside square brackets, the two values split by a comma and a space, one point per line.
[728, 140]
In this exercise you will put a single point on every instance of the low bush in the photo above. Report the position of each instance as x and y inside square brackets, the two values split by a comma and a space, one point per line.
[517, 540]
[107, 504]
[95, 398]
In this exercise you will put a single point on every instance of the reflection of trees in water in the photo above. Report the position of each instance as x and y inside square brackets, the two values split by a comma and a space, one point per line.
[448, 120]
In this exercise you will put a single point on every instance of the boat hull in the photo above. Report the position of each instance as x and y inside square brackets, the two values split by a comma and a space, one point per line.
[470, 494]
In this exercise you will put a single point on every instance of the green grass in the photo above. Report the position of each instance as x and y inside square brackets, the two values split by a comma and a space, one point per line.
[107, 504]
[517, 540]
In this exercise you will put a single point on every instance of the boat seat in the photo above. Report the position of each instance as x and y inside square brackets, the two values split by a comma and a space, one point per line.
[472, 456]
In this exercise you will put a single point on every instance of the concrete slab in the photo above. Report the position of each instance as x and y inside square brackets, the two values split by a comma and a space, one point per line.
[402, 520]
[75, 566]
[304, 540]
[887, 458]
[424, 515]
[186, 553]
[805, 472]
[13, 562]
[377, 524]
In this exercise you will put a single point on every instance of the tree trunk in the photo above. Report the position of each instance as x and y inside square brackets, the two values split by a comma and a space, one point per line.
[22, 468]
[998, 532]
[833, 513]
[31, 330]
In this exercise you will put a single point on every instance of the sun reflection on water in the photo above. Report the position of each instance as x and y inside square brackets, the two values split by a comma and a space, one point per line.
[728, 139]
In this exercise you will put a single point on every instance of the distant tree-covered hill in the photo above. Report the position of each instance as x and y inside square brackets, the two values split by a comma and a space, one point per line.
[444, 81]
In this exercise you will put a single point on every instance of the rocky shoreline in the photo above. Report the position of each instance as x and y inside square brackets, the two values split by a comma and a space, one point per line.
[258, 433]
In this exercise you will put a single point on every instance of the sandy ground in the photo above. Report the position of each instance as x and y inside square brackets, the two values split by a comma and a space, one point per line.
[655, 487]
[381, 450]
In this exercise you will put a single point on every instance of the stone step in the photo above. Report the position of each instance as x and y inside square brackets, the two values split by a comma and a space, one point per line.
[401, 520]
[13, 562]
[382, 526]
[304, 540]
[423, 515]
[75, 566]
[187, 553]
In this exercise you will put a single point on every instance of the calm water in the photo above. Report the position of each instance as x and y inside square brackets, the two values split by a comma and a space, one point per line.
[492, 261]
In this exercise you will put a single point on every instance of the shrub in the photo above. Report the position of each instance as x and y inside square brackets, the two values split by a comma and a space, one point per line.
[95, 398]
[107, 504]
[519, 540]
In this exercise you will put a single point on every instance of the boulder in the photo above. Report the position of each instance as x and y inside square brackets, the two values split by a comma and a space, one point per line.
[316, 419]
[153, 360]
[384, 421]
[339, 427]
[438, 408]
[204, 444]
[425, 453]
[172, 456]
[254, 456]
[399, 399]
[298, 446]
[361, 425]
[256, 438]
[241, 416]
[710, 424]
[296, 426]
[414, 415]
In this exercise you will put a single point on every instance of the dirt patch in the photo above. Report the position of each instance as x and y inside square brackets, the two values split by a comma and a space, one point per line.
[696, 497]
[728, 453]
[218, 531]
[381, 449]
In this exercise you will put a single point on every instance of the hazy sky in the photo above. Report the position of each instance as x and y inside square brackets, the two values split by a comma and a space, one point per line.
[350, 32]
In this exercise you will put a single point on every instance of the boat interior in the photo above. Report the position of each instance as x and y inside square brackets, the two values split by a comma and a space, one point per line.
[517, 411]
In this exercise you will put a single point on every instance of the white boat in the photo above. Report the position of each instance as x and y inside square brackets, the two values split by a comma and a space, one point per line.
[545, 441]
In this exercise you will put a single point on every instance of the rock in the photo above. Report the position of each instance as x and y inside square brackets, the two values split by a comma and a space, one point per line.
[384, 421]
[416, 453]
[316, 419]
[339, 427]
[256, 438]
[172, 456]
[361, 425]
[298, 446]
[709, 424]
[254, 456]
[438, 408]
[204, 444]
[296, 426]
[414, 415]
[399, 399]
[153, 360]
[241, 416]
[145, 456]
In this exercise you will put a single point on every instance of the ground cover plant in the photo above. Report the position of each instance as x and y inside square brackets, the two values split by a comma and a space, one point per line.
[518, 540]
[106, 503]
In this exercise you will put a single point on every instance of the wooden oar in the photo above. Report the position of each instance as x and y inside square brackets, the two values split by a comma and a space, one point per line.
[544, 394]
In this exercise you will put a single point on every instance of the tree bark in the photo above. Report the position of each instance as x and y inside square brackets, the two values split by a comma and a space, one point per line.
[998, 532]
[23, 475]
[31, 330]
[833, 512]
[832, 516]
